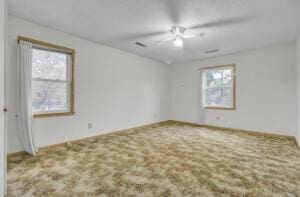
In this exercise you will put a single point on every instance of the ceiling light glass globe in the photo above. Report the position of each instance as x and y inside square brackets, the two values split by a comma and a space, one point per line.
[178, 42]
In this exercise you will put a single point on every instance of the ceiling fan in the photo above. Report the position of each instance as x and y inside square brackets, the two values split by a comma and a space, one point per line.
[178, 34]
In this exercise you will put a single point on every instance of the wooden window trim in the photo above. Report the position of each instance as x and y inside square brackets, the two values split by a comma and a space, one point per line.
[69, 51]
[233, 87]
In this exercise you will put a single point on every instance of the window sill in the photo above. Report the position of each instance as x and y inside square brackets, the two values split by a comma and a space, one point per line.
[53, 115]
[221, 108]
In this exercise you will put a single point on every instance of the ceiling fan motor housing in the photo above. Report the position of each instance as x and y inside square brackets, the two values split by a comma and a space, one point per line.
[177, 30]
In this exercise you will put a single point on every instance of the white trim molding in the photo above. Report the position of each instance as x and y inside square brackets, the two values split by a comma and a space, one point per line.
[297, 136]
[2, 118]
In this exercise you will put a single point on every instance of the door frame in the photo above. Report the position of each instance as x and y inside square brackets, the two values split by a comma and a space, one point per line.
[2, 99]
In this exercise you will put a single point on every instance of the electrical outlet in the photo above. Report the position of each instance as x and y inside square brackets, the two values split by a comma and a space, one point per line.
[218, 118]
[90, 125]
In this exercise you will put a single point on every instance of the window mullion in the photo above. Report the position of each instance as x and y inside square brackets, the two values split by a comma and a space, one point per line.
[50, 80]
[218, 95]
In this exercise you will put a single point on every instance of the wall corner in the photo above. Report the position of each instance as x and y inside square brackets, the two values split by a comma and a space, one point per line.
[297, 137]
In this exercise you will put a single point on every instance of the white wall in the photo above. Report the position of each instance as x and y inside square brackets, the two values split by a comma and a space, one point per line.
[266, 91]
[113, 89]
[298, 90]
[2, 136]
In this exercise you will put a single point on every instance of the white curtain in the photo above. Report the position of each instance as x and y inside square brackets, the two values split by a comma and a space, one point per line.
[202, 110]
[25, 116]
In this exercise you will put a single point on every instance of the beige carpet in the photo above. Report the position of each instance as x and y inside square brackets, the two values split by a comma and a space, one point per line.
[168, 159]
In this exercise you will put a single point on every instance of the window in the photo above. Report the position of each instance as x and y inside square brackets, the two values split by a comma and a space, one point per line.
[219, 87]
[52, 79]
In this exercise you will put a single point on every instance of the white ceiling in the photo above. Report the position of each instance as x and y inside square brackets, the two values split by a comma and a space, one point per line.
[229, 25]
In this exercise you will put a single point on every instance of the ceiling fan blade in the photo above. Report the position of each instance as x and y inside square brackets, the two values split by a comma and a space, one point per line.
[165, 40]
[138, 36]
[192, 35]
[221, 22]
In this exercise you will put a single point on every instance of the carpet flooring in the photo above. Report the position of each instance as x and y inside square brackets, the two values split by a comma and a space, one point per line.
[167, 159]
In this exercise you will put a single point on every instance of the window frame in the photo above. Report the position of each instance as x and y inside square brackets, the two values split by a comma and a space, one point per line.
[56, 48]
[233, 74]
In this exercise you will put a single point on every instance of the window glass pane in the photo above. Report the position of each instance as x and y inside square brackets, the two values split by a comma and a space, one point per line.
[49, 65]
[227, 77]
[49, 96]
[213, 78]
[218, 97]
[218, 87]
[218, 78]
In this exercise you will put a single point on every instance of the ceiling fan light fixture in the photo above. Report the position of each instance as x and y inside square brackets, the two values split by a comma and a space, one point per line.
[178, 42]
[178, 35]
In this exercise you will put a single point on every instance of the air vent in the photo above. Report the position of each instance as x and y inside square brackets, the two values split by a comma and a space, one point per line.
[140, 44]
[212, 51]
